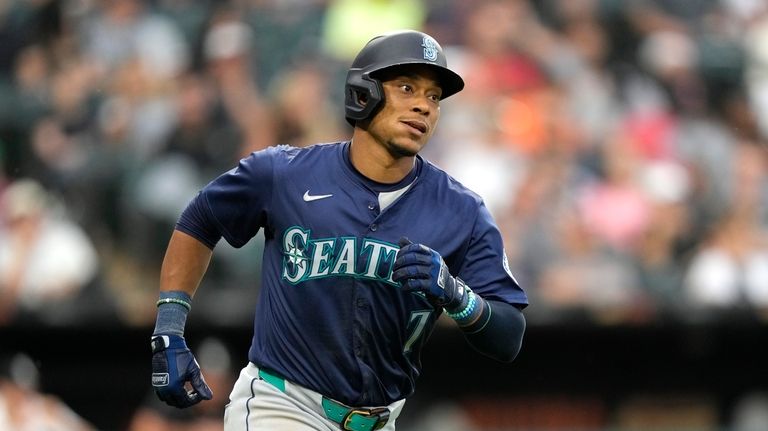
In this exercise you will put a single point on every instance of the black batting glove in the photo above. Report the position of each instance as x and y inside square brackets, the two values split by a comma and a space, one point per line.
[418, 268]
[173, 365]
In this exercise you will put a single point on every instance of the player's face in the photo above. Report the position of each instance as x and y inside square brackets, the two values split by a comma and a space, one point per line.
[410, 111]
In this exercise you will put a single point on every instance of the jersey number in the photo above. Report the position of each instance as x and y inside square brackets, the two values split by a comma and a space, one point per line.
[418, 321]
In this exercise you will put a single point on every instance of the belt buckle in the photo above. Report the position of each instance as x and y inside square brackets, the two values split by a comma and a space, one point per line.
[381, 414]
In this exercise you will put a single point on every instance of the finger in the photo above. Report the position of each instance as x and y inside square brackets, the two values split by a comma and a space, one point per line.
[418, 249]
[403, 241]
[179, 398]
[410, 271]
[186, 397]
[202, 388]
[414, 285]
[414, 258]
[411, 249]
[191, 398]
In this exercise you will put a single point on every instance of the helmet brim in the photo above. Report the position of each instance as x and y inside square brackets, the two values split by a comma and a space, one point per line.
[450, 81]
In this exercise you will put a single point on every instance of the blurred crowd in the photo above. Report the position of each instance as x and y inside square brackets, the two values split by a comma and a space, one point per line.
[621, 145]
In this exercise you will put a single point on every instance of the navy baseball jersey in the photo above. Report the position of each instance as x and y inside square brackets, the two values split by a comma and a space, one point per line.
[329, 316]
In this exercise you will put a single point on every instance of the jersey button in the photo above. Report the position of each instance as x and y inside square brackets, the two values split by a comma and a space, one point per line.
[371, 206]
[374, 227]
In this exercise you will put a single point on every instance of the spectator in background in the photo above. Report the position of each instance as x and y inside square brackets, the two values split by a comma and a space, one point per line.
[755, 42]
[24, 408]
[659, 252]
[507, 91]
[586, 275]
[288, 32]
[302, 108]
[46, 260]
[544, 196]
[750, 412]
[228, 62]
[30, 95]
[574, 52]
[139, 52]
[730, 268]
[616, 209]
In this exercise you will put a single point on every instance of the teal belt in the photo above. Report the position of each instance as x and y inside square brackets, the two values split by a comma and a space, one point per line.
[350, 418]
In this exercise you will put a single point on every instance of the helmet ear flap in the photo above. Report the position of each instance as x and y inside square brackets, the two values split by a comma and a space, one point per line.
[363, 95]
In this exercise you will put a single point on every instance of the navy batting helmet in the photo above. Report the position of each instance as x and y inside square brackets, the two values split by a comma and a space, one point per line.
[390, 50]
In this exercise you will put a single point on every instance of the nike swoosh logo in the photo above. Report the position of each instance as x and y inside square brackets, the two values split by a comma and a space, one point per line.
[309, 198]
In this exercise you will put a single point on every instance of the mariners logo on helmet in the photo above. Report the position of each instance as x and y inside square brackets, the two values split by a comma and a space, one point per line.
[430, 48]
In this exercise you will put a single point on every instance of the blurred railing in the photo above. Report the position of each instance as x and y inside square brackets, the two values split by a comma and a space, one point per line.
[568, 376]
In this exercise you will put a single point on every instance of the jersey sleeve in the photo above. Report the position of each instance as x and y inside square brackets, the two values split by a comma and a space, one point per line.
[234, 205]
[486, 268]
[197, 221]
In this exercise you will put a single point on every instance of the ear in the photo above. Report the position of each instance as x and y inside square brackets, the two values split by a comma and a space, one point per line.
[362, 98]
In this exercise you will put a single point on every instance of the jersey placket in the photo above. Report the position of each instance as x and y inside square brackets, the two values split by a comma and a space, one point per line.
[361, 332]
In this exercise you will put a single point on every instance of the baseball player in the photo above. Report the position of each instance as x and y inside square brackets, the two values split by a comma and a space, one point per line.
[366, 245]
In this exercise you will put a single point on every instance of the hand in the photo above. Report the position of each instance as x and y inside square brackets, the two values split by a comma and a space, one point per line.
[173, 365]
[418, 268]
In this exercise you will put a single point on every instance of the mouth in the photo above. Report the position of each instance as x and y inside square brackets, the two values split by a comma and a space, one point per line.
[419, 126]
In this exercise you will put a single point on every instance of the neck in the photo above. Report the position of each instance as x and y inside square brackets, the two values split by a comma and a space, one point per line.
[372, 159]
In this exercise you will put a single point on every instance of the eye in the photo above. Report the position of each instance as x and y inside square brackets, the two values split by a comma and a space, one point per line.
[435, 98]
[406, 88]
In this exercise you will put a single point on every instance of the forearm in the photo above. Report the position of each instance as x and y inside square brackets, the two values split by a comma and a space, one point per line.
[498, 331]
[186, 261]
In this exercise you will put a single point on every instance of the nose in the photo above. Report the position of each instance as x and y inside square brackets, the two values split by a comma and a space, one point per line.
[421, 105]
